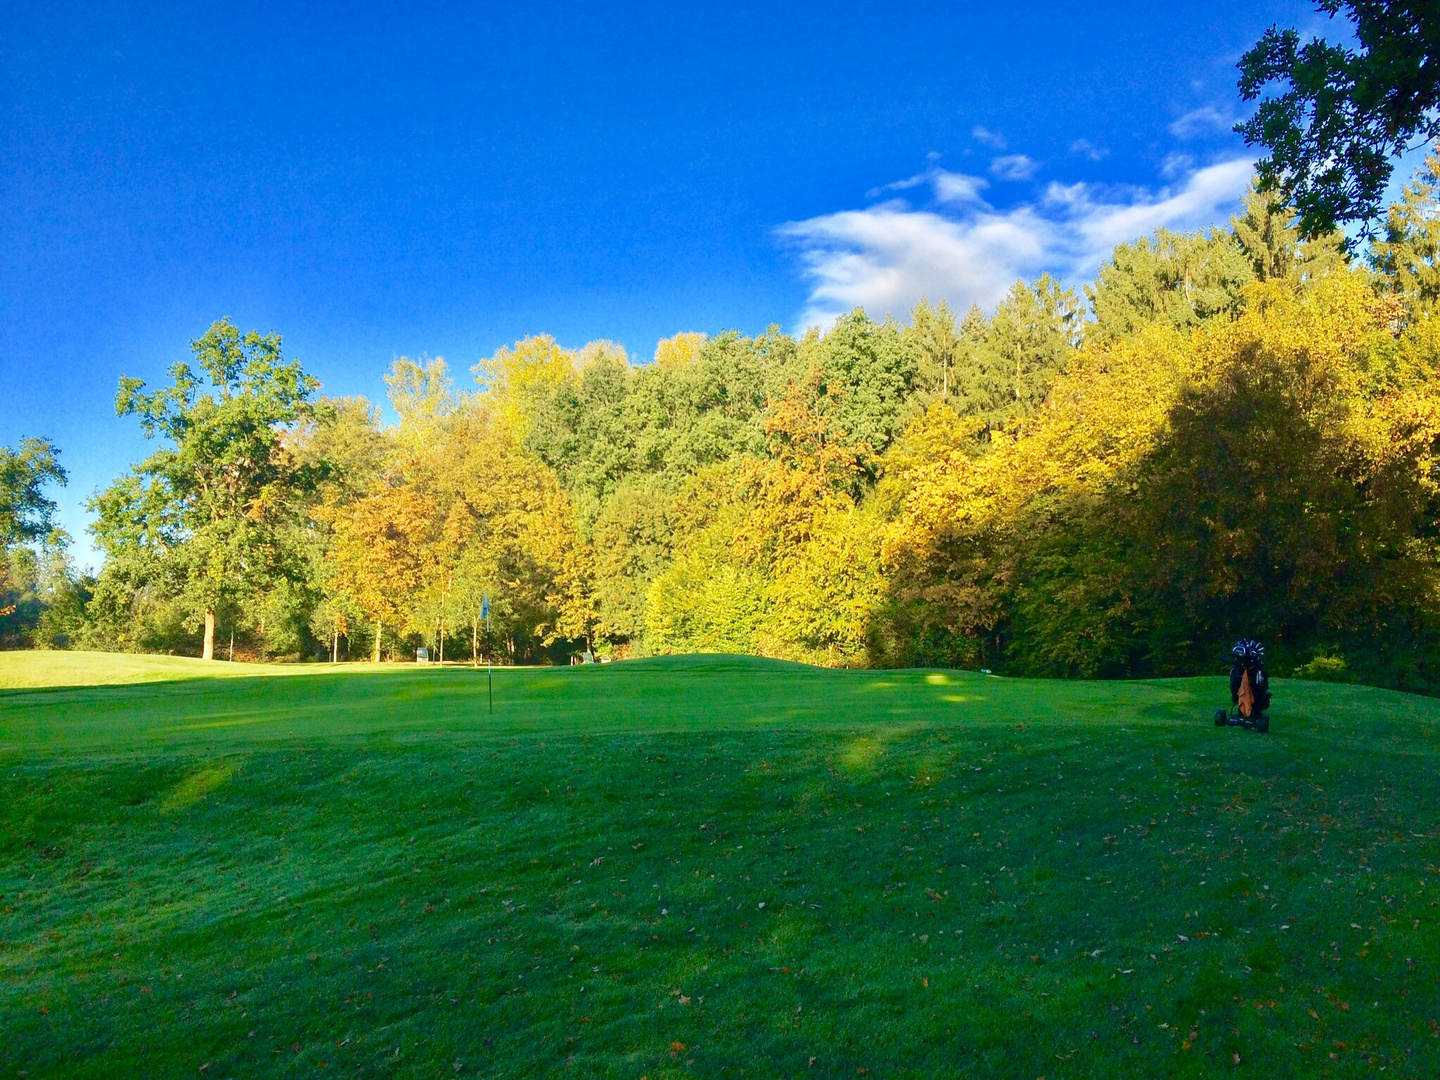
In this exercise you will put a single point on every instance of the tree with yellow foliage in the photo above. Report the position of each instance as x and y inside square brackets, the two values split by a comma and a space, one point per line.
[519, 378]
[1268, 475]
[378, 550]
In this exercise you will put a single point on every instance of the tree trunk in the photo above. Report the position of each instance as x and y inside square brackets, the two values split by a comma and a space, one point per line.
[441, 657]
[475, 643]
[209, 653]
[379, 629]
[335, 650]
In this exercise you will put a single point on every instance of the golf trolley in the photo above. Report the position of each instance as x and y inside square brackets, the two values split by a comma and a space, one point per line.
[1249, 689]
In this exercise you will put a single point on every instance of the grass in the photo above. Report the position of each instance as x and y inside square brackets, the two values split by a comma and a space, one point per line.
[708, 867]
[32, 670]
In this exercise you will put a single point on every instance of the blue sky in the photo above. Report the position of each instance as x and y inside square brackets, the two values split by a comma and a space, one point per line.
[377, 180]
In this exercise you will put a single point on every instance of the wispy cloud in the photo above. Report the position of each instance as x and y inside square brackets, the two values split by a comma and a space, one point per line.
[992, 139]
[962, 249]
[1206, 120]
[956, 187]
[1014, 167]
[1175, 164]
[1095, 224]
[1086, 148]
[898, 185]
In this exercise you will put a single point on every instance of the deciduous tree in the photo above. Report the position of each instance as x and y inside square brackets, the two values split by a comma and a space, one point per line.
[1343, 114]
[205, 514]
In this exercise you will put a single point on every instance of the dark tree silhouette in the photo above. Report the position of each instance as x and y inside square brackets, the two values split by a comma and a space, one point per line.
[1343, 115]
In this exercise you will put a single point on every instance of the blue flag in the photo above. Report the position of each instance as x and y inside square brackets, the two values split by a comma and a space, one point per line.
[485, 608]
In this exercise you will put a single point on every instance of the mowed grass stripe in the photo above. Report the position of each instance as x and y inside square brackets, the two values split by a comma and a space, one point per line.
[959, 876]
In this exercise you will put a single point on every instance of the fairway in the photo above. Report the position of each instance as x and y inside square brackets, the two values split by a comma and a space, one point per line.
[707, 866]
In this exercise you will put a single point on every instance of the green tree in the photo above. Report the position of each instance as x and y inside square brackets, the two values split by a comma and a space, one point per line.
[344, 443]
[933, 339]
[27, 521]
[863, 375]
[475, 579]
[204, 517]
[704, 404]
[686, 416]
[336, 616]
[1343, 114]
[1409, 256]
[708, 600]
[1176, 279]
[26, 512]
[582, 429]
[1270, 238]
[1032, 335]
[632, 545]
[65, 594]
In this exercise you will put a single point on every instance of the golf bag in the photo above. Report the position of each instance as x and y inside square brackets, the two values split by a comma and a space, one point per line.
[1249, 688]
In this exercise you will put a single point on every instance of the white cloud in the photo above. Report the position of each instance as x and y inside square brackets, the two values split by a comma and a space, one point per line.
[956, 187]
[947, 187]
[886, 257]
[1014, 167]
[1086, 148]
[992, 139]
[1175, 164]
[1097, 226]
[898, 185]
[1205, 120]
[961, 249]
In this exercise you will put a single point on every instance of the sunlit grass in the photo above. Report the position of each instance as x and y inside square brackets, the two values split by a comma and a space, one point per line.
[709, 867]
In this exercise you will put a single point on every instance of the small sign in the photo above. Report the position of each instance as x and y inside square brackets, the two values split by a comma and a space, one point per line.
[422, 655]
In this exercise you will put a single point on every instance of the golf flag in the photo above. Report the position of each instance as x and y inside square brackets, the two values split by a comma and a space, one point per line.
[489, 676]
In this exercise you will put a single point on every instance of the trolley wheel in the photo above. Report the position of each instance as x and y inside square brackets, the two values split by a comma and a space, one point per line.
[1262, 722]
[1219, 717]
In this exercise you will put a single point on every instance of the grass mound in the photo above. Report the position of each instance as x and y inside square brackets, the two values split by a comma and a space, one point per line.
[709, 866]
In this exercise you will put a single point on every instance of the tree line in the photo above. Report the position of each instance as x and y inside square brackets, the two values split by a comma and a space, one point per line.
[1226, 432]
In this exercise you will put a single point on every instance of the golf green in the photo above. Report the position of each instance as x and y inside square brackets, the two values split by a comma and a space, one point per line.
[707, 866]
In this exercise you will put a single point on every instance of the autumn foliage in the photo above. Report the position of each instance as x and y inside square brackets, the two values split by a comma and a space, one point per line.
[1241, 440]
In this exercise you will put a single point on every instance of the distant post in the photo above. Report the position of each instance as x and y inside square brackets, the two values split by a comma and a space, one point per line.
[489, 674]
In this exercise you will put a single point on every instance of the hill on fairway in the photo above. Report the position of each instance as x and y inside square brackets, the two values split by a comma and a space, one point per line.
[708, 866]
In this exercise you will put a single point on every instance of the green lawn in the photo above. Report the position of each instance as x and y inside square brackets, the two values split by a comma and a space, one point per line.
[27, 670]
[708, 867]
